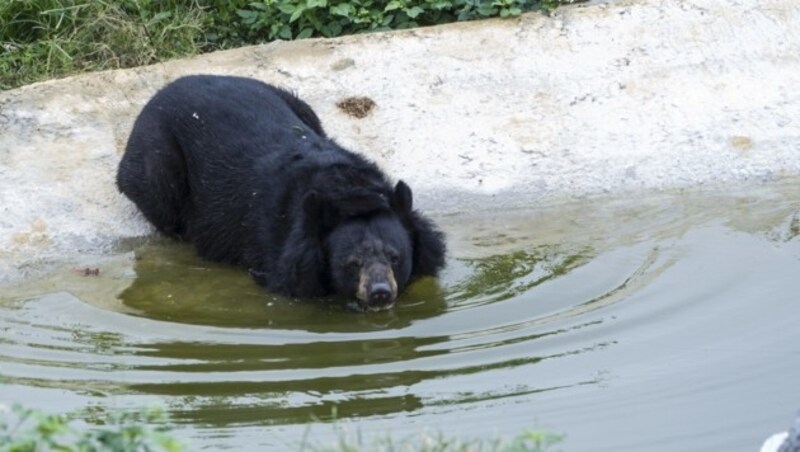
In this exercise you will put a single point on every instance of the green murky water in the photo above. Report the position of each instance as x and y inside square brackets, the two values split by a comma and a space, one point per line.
[642, 322]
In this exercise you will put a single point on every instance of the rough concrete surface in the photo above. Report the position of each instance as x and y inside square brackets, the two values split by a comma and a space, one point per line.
[598, 98]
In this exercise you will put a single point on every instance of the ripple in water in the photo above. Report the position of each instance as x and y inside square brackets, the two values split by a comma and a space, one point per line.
[658, 322]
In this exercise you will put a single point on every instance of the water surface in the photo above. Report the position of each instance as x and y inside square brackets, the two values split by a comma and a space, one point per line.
[638, 322]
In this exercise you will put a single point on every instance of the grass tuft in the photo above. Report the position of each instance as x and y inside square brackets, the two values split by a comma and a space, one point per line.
[527, 441]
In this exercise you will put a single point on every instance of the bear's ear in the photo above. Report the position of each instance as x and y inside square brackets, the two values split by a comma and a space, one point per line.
[428, 245]
[361, 202]
[402, 199]
[322, 212]
[427, 241]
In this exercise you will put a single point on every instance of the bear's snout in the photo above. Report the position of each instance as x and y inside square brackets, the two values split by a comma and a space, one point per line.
[380, 294]
[377, 289]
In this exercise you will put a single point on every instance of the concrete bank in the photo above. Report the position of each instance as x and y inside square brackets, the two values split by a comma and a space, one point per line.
[600, 98]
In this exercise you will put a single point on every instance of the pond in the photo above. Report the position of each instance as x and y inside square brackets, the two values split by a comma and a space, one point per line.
[644, 321]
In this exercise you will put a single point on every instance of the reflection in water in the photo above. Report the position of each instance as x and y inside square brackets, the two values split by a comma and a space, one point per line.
[500, 277]
[359, 375]
[591, 316]
[173, 284]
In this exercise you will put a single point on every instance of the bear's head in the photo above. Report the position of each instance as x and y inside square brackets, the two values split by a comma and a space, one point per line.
[370, 258]
[376, 244]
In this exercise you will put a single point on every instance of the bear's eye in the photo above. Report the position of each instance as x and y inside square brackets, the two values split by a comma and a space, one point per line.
[394, 259]
[353, 264]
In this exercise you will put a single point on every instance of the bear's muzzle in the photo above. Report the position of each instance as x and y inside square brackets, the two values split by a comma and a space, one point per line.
[377, 287]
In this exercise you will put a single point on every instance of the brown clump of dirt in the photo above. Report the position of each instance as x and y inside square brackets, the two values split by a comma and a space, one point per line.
[357, 107]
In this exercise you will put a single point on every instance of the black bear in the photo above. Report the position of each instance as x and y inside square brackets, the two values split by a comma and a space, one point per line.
[245, 171]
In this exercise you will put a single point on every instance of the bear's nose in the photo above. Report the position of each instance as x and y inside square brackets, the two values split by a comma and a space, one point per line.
[380, 295]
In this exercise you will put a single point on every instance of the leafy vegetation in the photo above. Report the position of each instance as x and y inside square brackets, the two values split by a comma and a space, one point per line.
[49, 38]
[41, 39]
[527, 441]
[297, 19]
[30, 430]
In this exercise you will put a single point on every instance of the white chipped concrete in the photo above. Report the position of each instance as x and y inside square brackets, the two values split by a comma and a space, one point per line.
[601, 98]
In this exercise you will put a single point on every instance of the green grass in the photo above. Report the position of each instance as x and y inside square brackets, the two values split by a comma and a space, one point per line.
[28, 430]
[43, 39]
[527, 441]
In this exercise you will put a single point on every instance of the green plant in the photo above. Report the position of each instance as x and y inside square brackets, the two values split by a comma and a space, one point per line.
[297, 19]
[42, 39]
[51, 38]
[527, 441]
[534, 440]
[31, 430]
